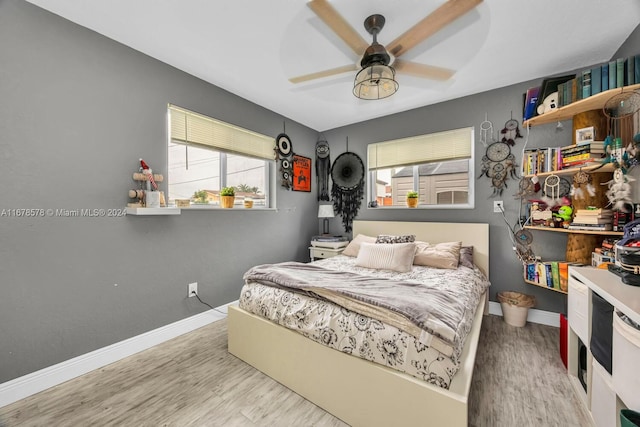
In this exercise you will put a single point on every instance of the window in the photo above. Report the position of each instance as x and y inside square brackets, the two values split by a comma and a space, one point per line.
[439, 166]
[206, 154]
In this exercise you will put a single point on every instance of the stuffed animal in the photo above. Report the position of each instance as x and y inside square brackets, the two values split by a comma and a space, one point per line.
[550, 103]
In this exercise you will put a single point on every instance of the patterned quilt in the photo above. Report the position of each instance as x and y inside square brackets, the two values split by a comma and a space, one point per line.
[368, 337]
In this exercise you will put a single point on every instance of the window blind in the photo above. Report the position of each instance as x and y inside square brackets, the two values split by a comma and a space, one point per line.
[193, 128]
[435, 147]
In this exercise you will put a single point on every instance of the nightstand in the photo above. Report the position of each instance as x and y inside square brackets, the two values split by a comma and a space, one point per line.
[316, 252]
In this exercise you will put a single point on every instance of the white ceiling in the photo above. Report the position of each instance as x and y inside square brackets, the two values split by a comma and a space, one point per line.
[252, 47]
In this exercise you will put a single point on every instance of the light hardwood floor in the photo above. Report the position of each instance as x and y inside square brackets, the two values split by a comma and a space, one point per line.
[193, 381]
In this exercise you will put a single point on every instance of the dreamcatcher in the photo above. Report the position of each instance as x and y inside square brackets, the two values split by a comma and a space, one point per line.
[347, 174]
[555, 190]
[620, 145]
[323, 169]
[521, 239]
[486, 131]
[527, 187]
[499, 164]
[510, 132]
[284, 154]
[619, 192]
[582, 183]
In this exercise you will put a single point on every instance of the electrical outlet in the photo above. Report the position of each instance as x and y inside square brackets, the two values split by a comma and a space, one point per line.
[192, 289]
[498, 206]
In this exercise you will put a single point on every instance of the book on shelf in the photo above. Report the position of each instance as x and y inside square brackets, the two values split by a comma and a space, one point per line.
[631, 70]
[594, 211]
[636, 61]
[591, 227]
[612, 74]
[596, 80]
[586, 83]
[592, 220]
[555, 274]
[530, 102]
[604, 81]
[620, 74]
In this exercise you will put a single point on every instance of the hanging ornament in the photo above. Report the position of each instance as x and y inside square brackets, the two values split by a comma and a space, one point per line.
[582, 182]
[347, 174]
[619, 192]
[284, 155]
[323, 169]
[486, 132]
[499, 164]
[511, 131]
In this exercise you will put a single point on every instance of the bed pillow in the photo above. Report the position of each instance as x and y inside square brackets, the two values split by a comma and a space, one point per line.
[386, 238]
[397, 257]
[353, 247]
[466, 256]
[439, 255]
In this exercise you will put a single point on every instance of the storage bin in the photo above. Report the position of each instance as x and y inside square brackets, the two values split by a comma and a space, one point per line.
[578, 309]
[601, 331]
[603, 397]
[626, 354]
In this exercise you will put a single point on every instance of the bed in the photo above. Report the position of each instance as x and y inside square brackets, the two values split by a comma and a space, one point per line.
[355, 390]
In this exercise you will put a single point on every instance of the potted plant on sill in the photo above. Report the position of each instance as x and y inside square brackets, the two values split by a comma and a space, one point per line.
[227, 197]
[412, 199]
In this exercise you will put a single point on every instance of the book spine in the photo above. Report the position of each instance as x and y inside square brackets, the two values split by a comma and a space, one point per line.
[604, 72]
[586, 83]
[636, 60]
[620, 73]
[631, 70]
[596, 80]
[555, 272]
[612, 74]
[549, 272]
[561, 95]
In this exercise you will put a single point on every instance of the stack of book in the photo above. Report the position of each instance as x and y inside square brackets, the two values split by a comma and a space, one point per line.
[582, 154]
[592, 220]
[604, 253]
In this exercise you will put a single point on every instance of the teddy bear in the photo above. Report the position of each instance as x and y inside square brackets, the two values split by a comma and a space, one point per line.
[550, 103]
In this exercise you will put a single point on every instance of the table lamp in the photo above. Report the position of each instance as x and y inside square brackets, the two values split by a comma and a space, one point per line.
[325, 212]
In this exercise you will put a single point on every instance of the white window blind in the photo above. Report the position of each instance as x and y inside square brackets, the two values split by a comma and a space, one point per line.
[193, 128]
[434, 147]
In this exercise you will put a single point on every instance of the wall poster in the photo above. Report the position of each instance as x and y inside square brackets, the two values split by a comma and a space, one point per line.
[301, 173]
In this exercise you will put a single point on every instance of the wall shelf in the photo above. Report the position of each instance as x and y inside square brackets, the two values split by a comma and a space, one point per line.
[609, 167]
[567, 112]
[564, 230]
[153, 211]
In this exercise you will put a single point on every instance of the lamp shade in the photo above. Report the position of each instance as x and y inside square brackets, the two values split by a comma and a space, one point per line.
[325, 211]
[376, 81]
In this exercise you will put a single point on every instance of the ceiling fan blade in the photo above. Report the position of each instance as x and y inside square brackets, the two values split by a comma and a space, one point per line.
[431, 24]
[422, 70]
[337, 23]
[325, 73]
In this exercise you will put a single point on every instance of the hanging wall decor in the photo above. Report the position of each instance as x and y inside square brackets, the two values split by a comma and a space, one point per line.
[347, 174]
[301, 173]
[284, 155]
[323, 168]
[499, 163]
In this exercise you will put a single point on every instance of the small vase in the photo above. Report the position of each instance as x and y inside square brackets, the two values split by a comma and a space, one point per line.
[412, 202]
[227, 201]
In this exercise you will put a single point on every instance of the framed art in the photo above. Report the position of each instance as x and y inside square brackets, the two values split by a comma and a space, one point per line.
[301, 173]
[584, 135]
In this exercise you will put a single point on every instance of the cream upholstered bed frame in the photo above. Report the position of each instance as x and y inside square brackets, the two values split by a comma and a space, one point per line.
[359, 392]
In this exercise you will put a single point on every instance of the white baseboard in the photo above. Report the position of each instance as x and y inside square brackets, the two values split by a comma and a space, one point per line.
[542, 317]
[35, 382]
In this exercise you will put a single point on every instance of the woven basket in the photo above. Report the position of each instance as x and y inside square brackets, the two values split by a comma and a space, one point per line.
[517, 299]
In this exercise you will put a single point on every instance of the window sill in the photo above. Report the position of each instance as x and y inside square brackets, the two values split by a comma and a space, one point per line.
[422, 207]
[218, 208]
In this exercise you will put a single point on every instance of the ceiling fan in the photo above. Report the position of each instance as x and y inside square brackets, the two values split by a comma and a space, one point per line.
[378, 65]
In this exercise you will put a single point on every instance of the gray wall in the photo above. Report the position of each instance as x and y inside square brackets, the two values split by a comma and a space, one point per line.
[77, 110]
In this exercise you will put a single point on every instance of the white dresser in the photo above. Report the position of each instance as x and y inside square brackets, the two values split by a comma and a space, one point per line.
[606, 393]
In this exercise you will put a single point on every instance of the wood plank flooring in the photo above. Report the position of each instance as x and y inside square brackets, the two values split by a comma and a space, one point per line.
[193, 381]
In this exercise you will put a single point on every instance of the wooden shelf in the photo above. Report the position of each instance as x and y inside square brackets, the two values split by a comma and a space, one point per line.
[545, 287]
[565, 230]
[153, 211]
[567, 112]
[609, 167]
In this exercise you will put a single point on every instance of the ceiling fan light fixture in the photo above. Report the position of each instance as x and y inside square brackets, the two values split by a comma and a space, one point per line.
[376, 81]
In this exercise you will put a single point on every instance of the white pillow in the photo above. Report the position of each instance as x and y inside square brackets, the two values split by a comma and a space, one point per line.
[353, 247]
[386, 256]
[440, 255]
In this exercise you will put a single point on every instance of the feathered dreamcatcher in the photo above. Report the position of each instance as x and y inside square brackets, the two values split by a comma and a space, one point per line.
[499, 163]
[347, 191]
[555, 189]
[323, 169]
[510, 132]
[619, 192]
[582, 186]
[284, 154]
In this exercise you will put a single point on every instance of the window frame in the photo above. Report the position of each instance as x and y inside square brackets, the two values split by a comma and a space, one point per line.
[372, 178]
[269, 169]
